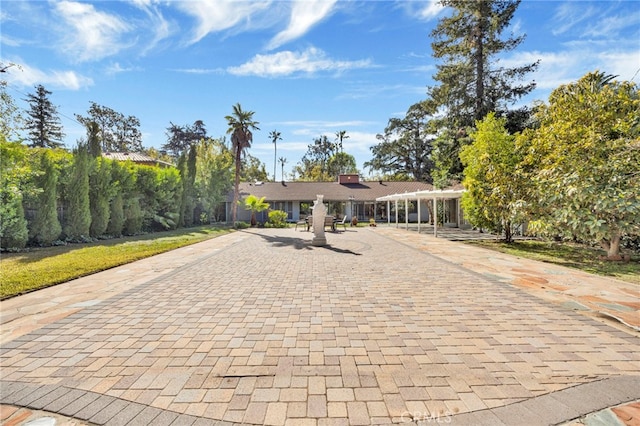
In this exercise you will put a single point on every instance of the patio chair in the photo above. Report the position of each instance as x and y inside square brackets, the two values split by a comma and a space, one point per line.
[304, 222]
[342, 223]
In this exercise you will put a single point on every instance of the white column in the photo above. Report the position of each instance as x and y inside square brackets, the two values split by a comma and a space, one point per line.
[406, 213]
[435, 217]
[388, 212]
[396, 203]
[418, 215]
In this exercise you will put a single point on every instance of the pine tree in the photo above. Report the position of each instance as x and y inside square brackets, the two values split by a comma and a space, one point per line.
[42, 122]
[472, 82]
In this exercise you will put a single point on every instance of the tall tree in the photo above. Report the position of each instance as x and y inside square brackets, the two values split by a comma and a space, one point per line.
[586, 151]
[472, 81]
[77, 212]
[43, 123]
[253, 170]
[275, 136]
[341, 135]
[282, 161]
[341, 163]
[117, 132]
[45, 228]
[181, 138]
[405, 147]
[241, 125]
[313, 165]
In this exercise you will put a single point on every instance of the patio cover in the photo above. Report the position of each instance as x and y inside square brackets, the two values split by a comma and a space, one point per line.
[435, 194]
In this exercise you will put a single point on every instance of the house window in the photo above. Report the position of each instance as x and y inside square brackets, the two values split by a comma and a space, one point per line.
[285, 206]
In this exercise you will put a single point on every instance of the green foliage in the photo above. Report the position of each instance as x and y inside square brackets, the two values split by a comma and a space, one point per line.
[214, 174]
[13, 225]
[77, 211]
[495, 194]
[11, 119]
[277, 219]
[100, 193]
[313, 166]
[405, 148]
[116, 216]
[341, 163]
[45, 228]
[253, 170]
[587, 155]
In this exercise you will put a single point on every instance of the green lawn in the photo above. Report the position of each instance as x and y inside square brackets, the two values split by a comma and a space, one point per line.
[43, 267]
[576, 256]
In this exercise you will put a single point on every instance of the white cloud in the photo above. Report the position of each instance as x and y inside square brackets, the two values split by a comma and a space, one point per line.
[431, 10]
[28, 76]
[304, 15]
[94, 35]
[571, 14]
[214, 16]
[562, 67]
[287, 62]
[158, 24]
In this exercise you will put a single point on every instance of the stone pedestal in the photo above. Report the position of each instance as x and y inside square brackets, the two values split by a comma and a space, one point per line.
[318, 214]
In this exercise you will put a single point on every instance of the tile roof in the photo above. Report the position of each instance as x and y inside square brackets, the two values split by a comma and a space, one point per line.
[332, 191]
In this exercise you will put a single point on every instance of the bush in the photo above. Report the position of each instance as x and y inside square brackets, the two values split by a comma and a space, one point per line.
[13, 225]
[277, 219]
[242, 225]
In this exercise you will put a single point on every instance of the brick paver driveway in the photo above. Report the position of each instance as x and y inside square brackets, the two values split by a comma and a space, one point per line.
[271, 330]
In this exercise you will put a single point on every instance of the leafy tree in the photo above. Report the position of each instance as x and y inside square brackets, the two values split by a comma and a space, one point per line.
[253, 169]
[45, 228]
[341, 163]
[181, 138]
[240, 126]
[256, 205]
[11, 120]
[117, 132]
[93, 140]
[405, 147]
[275, 136]
[313, 165]
[472, 81]
[214, 174]
[100, 193]
[43, 124]
[586, 151]
[495, 196]
[78, 211]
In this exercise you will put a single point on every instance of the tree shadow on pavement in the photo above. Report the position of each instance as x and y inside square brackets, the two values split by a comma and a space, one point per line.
[301, 244]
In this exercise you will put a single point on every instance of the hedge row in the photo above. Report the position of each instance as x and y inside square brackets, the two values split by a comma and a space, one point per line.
[51, 196]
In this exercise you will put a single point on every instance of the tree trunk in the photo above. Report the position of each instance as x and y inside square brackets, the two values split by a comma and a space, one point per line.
[508, 236]
[236, 191]
[612, 246]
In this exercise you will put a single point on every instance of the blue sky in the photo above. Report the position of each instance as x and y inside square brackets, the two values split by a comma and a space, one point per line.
[307, 68]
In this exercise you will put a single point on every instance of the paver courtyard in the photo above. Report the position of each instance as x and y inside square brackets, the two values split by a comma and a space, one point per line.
[264, 328]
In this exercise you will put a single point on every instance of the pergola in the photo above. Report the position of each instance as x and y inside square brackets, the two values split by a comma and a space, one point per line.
[435, 195]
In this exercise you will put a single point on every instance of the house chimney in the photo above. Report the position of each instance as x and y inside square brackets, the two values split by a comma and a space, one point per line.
[348, 178]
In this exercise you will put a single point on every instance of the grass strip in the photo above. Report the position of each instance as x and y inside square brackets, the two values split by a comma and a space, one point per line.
[571, 255]
[43, 267]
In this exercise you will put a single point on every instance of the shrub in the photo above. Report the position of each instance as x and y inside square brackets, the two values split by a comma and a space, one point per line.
[277, 219]
[45, 228]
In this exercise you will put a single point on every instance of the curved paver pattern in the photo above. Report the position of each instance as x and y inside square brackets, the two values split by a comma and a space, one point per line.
[270, 330]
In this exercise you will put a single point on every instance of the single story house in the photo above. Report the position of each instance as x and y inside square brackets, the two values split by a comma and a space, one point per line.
[348, 196]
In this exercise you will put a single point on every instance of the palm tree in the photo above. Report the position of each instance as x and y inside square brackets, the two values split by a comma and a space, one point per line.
[275, 135]
[282, 163]
[240, 125]
[256, 205]
[340, 135]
